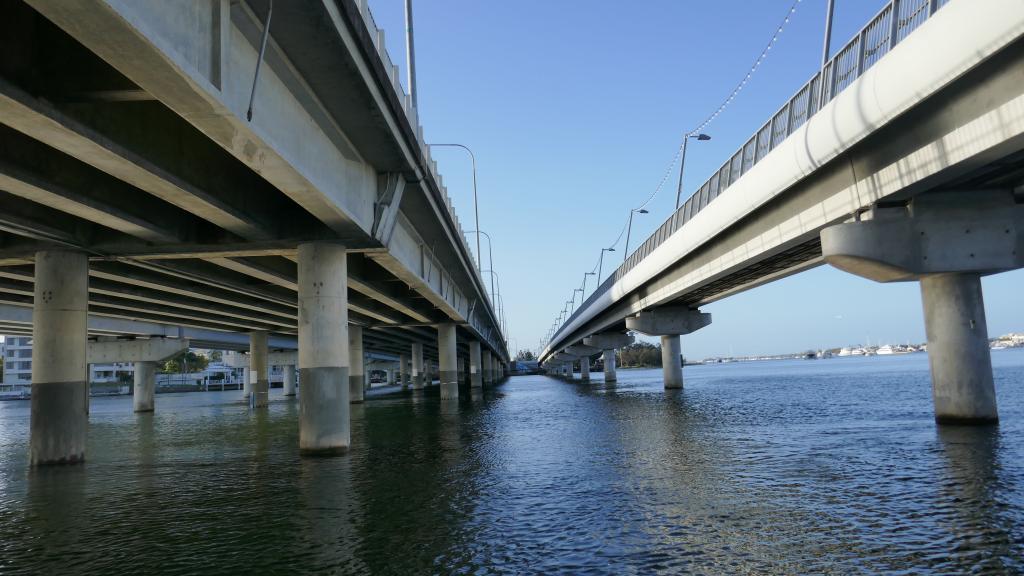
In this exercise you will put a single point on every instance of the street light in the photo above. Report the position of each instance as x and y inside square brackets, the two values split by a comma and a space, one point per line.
[585, 274]
[490, 253]
[476, 208]
[629, 229]
[682, 163]
[574, 291]
[600, 263]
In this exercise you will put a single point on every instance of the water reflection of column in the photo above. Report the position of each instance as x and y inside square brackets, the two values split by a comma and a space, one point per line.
[330, 515]
[971, 483]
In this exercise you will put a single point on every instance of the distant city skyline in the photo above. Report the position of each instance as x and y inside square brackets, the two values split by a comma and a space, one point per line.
[574, 116]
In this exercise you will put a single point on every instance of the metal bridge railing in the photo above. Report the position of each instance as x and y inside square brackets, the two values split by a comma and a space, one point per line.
[868, 46]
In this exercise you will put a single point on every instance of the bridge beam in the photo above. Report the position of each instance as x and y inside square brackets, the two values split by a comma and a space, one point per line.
[670, 323]
[946, 241]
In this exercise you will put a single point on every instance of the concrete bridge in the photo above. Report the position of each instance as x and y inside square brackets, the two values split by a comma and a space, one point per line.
[903, 160]
[243, 174]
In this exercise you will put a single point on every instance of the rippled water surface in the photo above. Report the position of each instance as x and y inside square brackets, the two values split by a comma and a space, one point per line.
[831, 466]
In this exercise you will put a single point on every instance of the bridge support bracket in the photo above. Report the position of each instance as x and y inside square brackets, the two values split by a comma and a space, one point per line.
[946, 241]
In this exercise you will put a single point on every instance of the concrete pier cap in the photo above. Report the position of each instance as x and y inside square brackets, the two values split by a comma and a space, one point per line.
[670, 322]
[608, 340]
[945, 240]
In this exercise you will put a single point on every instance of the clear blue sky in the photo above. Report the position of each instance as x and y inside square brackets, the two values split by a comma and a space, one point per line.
[575, 109]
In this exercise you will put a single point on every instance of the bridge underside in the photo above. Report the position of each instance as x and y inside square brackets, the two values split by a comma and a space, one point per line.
[191, 216]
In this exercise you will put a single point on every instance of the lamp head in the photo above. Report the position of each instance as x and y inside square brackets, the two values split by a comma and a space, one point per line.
[701, 137]
[642, 211]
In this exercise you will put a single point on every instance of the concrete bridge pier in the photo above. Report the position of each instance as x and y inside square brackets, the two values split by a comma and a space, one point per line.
[946, 241]
[418, 376]
[259, 367]
[356, 372]
[585, 369]
[608, 342]
[448, 360]
[324, 424]
[669, 322]
[289, 379]
[403, 370]
[60, 393]
[475, 378]
[487, 376]
[143, 396]
[246, 383]
[583, 353]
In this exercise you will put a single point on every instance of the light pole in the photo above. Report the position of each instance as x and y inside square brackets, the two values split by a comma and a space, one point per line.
[585, 274]
[496, 297]
[410, 54]
[490, 253]
[682, 163]
[476, 207]
[629, 229]
[574, 291]
[822, 90]
[600, 263]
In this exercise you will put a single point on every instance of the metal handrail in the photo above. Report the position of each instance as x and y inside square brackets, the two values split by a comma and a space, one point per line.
[872, 42]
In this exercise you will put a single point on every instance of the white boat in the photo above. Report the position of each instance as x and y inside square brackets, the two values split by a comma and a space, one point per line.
[885, 350]
[998, 347]
[845, 352]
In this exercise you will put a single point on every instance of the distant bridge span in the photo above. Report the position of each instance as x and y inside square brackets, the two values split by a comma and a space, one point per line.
[921, 124]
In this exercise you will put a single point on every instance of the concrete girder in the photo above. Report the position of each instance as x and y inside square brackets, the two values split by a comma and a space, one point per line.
[139, 350]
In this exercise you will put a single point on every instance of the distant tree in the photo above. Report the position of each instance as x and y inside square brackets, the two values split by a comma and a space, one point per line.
[525, 356]
[216, 355]
[186, 362]
[640, 355]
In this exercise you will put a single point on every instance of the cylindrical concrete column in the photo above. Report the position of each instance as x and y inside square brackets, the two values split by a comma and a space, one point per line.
[289, 380]
[259, 367]
[418, 377]
[486, 363]
[356, 374]
[403, 370]
[145, 386]
[475, 376]
[609, 366]
[585, 369]
[671, 365]
[324, 426]
[447, 361]
[391, 376]
[958, 350]
[60, 391]
[247, 382]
